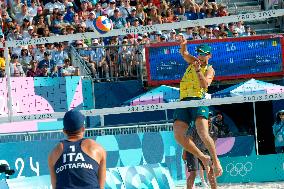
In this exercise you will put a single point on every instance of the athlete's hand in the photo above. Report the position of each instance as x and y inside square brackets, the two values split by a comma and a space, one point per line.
[197, 65]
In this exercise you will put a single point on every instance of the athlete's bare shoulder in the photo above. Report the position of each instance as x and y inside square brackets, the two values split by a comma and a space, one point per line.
[55, 153]
[93, 149]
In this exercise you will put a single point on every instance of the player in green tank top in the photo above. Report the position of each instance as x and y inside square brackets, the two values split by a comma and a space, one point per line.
[183, 116]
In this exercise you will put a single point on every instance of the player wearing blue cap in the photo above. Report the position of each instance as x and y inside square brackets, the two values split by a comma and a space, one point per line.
[77, 163]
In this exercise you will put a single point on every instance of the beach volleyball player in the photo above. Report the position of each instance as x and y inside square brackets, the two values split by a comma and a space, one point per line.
[193, 86]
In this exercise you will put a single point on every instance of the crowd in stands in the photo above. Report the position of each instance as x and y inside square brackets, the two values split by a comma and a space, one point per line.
[123, 56]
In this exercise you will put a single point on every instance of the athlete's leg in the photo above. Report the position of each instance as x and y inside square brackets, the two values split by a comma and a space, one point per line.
[212, 179]
[202, 129]
[180, 129]
[190, 180]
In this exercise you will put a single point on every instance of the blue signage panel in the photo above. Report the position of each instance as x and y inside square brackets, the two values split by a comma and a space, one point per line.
[231, 58]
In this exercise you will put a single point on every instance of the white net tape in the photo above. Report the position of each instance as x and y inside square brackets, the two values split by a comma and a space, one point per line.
[152, 107]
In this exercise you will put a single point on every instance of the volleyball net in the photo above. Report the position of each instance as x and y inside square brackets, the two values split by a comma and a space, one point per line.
[271, 65]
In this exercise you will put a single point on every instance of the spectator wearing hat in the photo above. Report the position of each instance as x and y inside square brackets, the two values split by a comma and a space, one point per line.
[118, 21]
[146, 39]
[202, 32]
[98, 59]
[47, 61]
[172, 37]
[125, 59]
[89, 162]
[210, 12]
[16, 69]
[231, 28]
[110, 9]
[44, 71]
[84, 9]
[132, 18]
[240, 28]
[235, 33]
[169, 16]
[90, 20]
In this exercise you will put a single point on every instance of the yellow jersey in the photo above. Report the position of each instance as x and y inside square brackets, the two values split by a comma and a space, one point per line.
[190, 84]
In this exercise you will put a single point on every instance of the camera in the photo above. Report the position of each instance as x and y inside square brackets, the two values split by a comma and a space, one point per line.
[4, 168]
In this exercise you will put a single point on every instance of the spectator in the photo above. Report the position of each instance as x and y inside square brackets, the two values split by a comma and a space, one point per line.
[278, 132]
[112, 56]
[44, 70]
[247, 31]
[155, 17]
[25, 58]
[69, 13]
[16, 69]
[24, 14]
[125, 59]
[98, 58]
[47, 61]
[240, 27]
[140, 13]
[39, 52]
[132, 18]
[169, 16]
[202, 32]
[68, 69]
[172, 37]
[40, 25]
[189, 33]
[34, 71]
[60, 55]
[90, 20]
[32, 9]
[2, 63]
[223, 128]
[125, 10]
[110, 10]
[58, 23]
[191, 13]
[118, 21]
[222, 11]
[235, 33]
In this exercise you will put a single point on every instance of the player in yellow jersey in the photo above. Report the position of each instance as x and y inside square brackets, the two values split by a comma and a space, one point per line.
[193, 86]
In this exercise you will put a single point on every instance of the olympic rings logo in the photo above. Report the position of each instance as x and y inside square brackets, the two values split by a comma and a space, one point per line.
[239, 169]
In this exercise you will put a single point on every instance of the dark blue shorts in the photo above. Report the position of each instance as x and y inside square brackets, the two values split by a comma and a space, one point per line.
[190, 114]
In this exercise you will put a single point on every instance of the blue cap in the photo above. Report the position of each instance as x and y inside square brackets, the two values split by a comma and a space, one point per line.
[73, 121]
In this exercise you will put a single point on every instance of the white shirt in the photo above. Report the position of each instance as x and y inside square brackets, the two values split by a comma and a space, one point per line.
[90, 24]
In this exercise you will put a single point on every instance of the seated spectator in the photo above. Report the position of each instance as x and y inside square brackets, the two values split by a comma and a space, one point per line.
[155, 17]
[24, 14]
[32, 9]
[126, 9]
[59, 55]
[223, 128]
[110, 9]
[47, 61]
[247, 31]
[191, 13]
[69, 13]
[34, 71]
[40, 25]
[202, 13]
[169, 16]
[189, 33]
[39, 52]
[132, 18]
[222, 11]
[118, 21]
[2, 63]
[172, 37]
[140, 13]
[58, 23]
[240, 27]
[16, 69]
[90, 20]
[202, 32]
[98, 59]
[210, 12]
[25, 58]
[44, 70]
[68, 69]
[235, 33]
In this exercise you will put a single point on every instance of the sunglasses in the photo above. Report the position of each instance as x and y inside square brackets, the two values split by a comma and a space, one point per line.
[281, 114]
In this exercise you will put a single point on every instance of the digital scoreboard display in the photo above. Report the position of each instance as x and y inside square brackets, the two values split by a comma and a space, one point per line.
[232, 58]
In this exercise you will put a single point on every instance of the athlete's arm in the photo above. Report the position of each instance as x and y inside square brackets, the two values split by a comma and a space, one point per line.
[52, 158]
[51, 171]
[207, 78]
[184, 53]
[102, 169]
